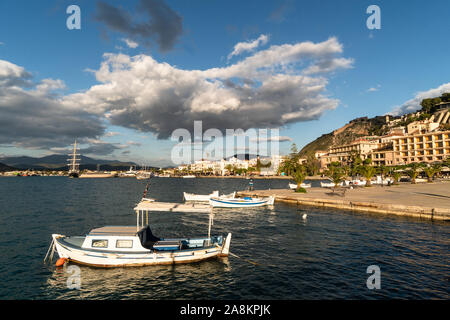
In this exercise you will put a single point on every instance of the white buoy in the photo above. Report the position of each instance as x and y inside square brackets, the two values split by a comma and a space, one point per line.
[304, 216]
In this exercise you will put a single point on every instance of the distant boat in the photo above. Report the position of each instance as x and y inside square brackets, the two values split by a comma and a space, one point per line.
[143, 175]
[246, 202]
[199, 197]
[328, 184]
[189, 176]
[74, 166]
[303, 185]
[130, 173]
[97, 175]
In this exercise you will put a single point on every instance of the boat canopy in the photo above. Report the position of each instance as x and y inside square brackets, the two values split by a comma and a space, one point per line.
[114, 230]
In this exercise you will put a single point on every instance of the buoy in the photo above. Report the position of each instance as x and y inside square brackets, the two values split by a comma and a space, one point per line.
[60, 262]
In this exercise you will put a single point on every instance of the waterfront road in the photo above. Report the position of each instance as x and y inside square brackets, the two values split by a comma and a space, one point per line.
[425, 200]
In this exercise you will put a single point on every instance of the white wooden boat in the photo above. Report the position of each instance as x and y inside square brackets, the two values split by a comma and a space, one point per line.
[199, 197]
[189, 176]
[130, 173]
[328, 184]
[303, 185]
[143, 175]
[123, 246]
[246, 202]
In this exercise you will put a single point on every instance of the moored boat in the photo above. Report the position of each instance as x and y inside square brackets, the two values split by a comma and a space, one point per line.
[121, 246]
[246, 202]
[199, 197]
[303, 185]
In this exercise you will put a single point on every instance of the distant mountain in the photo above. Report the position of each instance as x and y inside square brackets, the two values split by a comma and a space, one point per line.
[59, 162]
[4, 167]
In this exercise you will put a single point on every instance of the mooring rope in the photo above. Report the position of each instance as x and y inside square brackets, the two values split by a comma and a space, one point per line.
[52, 247]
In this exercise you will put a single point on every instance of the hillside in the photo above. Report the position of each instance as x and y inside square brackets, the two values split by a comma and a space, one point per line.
[59, 162]
[4, 167]
[354, 129]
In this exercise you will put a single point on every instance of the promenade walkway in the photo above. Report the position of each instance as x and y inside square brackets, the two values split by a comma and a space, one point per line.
[423, 200]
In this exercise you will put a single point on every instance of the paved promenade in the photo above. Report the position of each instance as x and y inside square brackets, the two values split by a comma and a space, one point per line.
[423, 200]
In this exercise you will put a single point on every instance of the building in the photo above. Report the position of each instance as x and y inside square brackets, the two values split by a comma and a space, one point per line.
[423, 141]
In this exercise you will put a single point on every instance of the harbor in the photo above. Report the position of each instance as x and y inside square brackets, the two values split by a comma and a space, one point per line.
[424, 200]
[322, 256]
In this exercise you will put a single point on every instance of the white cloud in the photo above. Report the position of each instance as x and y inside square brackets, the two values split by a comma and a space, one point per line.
[373, 89]
[241, 47]
[33, 116]
[266, 89]
[414, 104]
[130, 43]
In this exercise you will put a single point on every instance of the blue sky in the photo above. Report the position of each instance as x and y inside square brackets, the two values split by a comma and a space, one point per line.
[409, 54]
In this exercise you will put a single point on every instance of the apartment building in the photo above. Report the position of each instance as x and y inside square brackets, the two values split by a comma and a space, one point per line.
[423, 142]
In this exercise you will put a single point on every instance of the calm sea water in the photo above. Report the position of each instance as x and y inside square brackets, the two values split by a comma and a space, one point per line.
[324, 257]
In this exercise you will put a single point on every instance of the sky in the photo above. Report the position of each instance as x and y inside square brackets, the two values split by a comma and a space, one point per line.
[138, 70]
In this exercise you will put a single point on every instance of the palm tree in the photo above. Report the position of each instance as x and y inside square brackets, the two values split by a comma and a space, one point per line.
[368, 172]
[336, 173]
[413, 171]
[395, 173]
[299, 176]
[430, 171]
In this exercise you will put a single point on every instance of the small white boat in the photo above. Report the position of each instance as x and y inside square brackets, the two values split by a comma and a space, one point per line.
[123, 246]
[130, 173]
[189, 176]
[199, 197]
[303, 185]
[245, 202]
[229, 196]
[143, 175]
[328, 184]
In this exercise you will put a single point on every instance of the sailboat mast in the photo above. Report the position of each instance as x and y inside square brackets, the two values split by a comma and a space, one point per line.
[74, 155]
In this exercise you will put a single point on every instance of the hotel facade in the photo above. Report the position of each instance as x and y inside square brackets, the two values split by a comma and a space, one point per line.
[419, 141]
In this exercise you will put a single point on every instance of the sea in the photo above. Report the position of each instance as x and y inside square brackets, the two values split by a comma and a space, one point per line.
[277, 253]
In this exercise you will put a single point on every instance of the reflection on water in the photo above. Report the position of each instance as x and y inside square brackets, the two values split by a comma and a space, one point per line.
[324, 256]
[152, 282]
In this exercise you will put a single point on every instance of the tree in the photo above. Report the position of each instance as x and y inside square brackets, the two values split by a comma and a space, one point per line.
[312, 165]
[395, 173]
[430, 171]
[299, 176]
[383, 171]
[335, 172]
[229, 167]
[368, 172]
[413, 171]
[355, 163]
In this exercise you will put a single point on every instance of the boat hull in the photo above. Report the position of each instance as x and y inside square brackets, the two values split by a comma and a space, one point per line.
[240, 203]
[105, 259]
[199, 197]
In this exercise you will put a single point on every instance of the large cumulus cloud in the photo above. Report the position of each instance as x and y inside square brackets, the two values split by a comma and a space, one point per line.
[271, 88]
[268, 89]
[32, 115]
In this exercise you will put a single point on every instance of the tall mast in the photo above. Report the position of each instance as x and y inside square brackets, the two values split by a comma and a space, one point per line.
[73, 164]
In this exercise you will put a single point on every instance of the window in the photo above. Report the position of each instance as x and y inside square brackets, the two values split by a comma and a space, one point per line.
[99, 243]
[124, 244]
